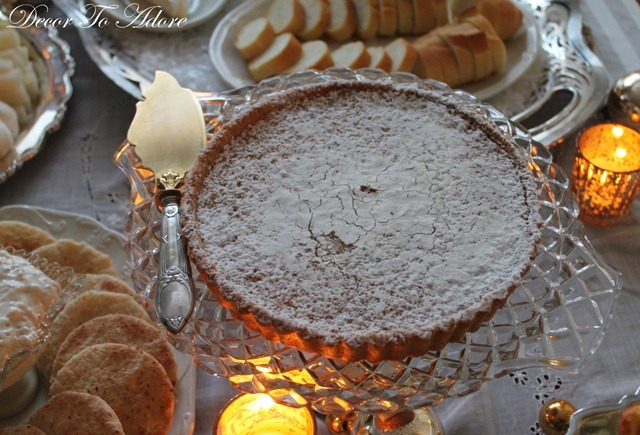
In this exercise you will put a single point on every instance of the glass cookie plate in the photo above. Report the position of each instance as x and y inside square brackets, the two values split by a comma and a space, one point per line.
[54, 68]
[556, 318]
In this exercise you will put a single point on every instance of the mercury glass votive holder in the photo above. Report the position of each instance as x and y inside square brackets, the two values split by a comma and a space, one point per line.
[606, 172]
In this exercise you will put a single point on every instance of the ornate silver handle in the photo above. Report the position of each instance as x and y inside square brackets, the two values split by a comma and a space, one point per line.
[174, 289]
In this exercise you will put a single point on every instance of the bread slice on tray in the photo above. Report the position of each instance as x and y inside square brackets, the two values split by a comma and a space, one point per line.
[465, 59]
[441, 12]
[405, 16]
[368, 14]
[380, 59]
[315, 55]
[496, 45]
[423, 16]
[342, 20]
[316, 16]
[286, 16]
[388, 18]
[255, 37]
[285, 51]
[352, 55]
[435, 60]
[402, 54]
[504, 15]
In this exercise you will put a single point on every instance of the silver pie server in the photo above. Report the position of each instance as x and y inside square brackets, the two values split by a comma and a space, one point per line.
[168, 133]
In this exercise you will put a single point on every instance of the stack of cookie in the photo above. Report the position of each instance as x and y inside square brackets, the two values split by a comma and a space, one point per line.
[108, 366]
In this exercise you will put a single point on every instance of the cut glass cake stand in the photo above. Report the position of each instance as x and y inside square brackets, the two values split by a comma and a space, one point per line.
[555, 319]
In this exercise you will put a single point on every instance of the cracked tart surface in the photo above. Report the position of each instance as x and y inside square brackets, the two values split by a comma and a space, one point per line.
[361, 220]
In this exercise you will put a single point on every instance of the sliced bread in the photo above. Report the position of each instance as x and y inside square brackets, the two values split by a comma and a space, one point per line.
[342, 20]
[380, 59]
[316, 19]
[352, 55]
[388, 18]
[402, 54]
[368, 14]
[285, 51]
[423, 16]
[405, 16]
[286, 16]
[315, 55]
[254, 38]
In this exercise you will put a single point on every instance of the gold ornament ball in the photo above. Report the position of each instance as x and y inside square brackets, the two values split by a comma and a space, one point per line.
[554, 417]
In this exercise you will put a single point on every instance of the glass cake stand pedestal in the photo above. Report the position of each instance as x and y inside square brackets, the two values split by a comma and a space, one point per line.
[556, 318]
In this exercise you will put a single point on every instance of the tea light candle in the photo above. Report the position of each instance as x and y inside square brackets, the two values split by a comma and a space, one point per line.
[258, 414]
[606, 172]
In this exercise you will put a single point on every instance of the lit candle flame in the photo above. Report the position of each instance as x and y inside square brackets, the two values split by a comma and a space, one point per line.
[617, 131]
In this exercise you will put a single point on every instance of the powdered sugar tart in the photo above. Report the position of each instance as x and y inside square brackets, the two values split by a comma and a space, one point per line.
[340, 218]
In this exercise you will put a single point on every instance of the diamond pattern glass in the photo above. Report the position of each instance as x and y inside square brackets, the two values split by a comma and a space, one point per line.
[556, 317]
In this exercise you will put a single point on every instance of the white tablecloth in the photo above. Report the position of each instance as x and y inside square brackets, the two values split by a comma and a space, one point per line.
[74, 172]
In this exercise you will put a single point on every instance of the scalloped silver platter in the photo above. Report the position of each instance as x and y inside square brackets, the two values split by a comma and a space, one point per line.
[555, 319]
[198, 12]
[522, 50]
[82, 228]
[54, 67]
[570, 66]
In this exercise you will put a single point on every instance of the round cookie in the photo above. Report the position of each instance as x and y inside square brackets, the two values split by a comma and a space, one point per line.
[25, 429]
[109, 283]
[19, 235]
[131, 381]
[79, 310]
[78, 255]
[122, 329]
[75, 413]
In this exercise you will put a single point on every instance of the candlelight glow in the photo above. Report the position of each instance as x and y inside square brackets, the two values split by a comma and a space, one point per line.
[606, 172]
[258, 414]
[620, 153]
[617, 131]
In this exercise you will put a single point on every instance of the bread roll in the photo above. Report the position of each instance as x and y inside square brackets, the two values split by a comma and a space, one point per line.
[316, 18]
[368, 14]
[315, 55]
[285, 51]
[254, 38]
[342, 20]
[402, 54]
[352, 55]
[405, 16]
[286, 16]
[380, 59]
[388, 18]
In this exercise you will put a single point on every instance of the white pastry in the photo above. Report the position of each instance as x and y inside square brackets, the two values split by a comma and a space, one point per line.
[6, 139]
[9, 118]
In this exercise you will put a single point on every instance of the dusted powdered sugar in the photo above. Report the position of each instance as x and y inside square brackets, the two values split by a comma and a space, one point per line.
[366, 219]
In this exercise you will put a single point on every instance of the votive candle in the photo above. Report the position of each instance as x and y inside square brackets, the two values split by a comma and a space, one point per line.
[606, 172]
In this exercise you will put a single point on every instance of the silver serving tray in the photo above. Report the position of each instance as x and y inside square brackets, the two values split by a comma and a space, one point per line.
[54, 67]
[574, 85]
